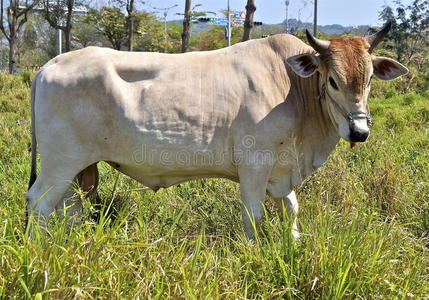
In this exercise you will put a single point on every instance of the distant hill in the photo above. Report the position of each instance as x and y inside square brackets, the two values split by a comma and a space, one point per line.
[327, 29]
[294, 24]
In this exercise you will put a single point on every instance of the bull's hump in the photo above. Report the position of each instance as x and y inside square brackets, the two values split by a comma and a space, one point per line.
[81, 69]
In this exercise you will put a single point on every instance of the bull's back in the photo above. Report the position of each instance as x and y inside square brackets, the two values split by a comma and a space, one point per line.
[120, 103]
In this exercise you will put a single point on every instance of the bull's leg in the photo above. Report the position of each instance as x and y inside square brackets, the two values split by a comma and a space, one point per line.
[291, 205]
[253, 185]
[87, 181]
[49, 188]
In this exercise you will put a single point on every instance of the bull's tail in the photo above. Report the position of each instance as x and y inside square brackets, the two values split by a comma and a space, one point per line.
[33, 172]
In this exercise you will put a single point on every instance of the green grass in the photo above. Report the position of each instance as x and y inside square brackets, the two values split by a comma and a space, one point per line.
[364, 218]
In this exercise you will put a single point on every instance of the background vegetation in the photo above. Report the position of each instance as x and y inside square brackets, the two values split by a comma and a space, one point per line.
[364, 215]
[364, 218]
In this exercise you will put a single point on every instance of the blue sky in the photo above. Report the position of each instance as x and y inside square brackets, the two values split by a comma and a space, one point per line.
[344, 12]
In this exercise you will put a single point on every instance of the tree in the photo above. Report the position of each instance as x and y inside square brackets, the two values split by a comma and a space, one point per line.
[211, 39]
[248, 22]
[46, 41]
[386, 14]
[410, 25]
[111, 23]
[129, 6]
[130, 23]
[418, 27]
[17, 16]
[214, 38]
[186, 26]
[152, 37]
[60, 15]
[26, 43]
[85, 34]
[190, 15]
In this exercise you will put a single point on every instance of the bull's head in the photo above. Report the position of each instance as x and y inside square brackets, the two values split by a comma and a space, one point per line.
[346, 66]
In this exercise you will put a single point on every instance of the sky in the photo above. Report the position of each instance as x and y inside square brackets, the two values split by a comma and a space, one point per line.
[344, 12]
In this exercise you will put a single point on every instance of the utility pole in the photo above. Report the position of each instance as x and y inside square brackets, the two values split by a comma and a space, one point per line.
[287, 19]
[60, 41]
[165, 10]
[228, 29]
[315, 19]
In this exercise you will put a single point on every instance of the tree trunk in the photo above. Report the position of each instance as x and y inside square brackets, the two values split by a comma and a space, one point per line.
[130, 11]
[131, 33]
[117, 45]
[12, 52]
[248, 23]
[54, 20]
[67, 38]
[186, 26]
[68, 27]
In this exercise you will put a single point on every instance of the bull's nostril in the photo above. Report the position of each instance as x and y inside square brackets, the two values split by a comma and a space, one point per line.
[358, 136]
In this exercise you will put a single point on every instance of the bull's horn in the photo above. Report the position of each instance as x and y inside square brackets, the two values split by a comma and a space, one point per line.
[320, 46]
[376, 38]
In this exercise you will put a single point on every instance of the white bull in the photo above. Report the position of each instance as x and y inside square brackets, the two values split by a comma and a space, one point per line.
[265, 113]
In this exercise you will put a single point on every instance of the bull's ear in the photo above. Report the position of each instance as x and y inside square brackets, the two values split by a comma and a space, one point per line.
[304, 65]
[387, 68]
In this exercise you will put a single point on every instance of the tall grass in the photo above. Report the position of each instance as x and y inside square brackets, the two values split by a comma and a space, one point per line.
[364, 219]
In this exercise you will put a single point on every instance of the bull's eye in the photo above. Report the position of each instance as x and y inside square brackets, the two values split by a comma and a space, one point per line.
[333, 83]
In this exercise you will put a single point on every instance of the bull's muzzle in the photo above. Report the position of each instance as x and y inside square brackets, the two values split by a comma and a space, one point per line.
[359, 124]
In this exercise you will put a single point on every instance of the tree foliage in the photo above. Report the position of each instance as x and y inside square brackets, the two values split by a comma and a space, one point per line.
[85, 34]
[190, 16]
[408, 37]
[129, 6]
[109, 22]
[110, 26]
[17, 16]
[214, 38]
[153, 37]
[59, 14]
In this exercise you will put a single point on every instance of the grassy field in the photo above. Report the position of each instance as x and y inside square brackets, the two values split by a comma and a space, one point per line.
[364, 218]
